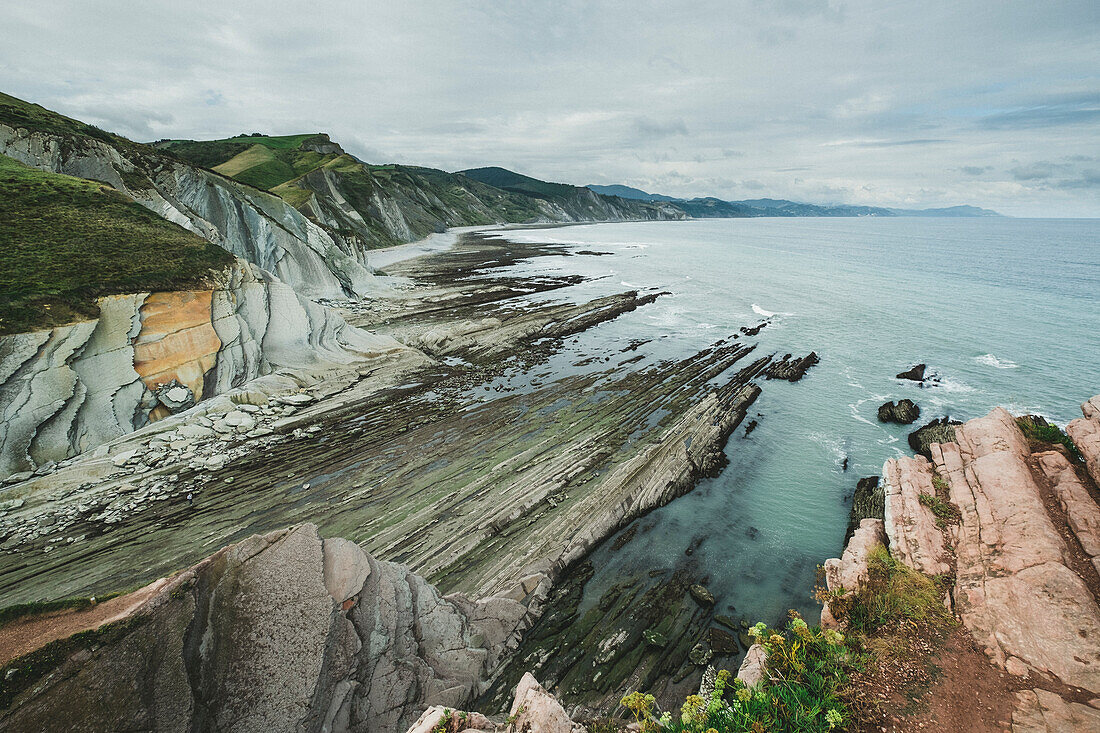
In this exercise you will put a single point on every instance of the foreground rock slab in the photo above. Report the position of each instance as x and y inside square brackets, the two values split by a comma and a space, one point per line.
[280, 632]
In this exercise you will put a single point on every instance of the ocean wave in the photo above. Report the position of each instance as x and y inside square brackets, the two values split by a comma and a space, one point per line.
[761, 312]
[993, 361]
[946, 384]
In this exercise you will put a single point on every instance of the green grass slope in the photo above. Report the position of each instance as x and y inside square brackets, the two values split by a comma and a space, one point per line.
[66, 241]
[259, 160]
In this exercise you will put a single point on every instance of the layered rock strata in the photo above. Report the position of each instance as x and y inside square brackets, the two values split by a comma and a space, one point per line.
[280, 632]
[256, 226]
[68, 389]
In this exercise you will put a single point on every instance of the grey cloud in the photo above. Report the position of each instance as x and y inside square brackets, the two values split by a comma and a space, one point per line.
[651, 129]
[1039, 171]
[686, 100]
[1087, 179]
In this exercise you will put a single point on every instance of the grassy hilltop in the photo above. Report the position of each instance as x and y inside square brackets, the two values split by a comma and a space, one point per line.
[65, 241]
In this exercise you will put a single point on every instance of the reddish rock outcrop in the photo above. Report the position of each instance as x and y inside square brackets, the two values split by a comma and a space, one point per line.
[915, 538]
[1085, 433]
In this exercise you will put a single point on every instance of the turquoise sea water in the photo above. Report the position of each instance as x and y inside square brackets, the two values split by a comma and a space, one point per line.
[1004, 311]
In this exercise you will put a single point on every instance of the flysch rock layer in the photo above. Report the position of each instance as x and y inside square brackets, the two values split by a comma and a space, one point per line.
[256, 226]
[280, 632]
[66, 390]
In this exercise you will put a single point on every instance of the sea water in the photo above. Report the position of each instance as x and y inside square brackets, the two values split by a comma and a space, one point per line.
[1003, 311]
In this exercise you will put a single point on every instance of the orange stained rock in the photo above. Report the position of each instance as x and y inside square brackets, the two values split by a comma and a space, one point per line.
[177, 340]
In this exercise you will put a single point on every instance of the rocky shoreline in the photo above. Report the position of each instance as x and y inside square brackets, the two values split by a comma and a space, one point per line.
[412, 455]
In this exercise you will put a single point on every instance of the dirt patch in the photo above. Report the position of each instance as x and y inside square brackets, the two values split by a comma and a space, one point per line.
[935, 685]
[24, 635]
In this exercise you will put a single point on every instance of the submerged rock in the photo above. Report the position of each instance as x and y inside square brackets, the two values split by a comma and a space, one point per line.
[902, 412]
[722, 642]
[700, 654]
[702, 596]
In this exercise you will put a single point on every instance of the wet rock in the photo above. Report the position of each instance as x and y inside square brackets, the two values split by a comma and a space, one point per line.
[745, 639]
[868, 502]
[750, 427]
[791, 368]
[701, 595]
[654, 638]
[902, 412]
[937, 431]
[722, 642]
[913, 373]
[727, 622]
[700, 654]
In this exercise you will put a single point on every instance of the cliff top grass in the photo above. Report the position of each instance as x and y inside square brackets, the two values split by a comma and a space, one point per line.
[263, 161]
[64, 242]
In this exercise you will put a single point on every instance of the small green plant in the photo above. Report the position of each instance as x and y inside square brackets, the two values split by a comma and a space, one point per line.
[806, 672]
[512, 718]
[894, 595]
[1039, 430]
[944, 511]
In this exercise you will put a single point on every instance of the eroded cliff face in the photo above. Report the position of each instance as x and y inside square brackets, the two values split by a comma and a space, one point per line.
[259, 227]
[280, 632]
[66, 390]
[1024, 555]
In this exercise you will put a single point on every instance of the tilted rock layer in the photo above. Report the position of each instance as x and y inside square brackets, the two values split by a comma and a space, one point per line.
[256, 226]
[1025, 553]
[281, 632]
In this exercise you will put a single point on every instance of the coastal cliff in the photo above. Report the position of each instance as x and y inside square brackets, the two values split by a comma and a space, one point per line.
[1011, 527]
[69, 389]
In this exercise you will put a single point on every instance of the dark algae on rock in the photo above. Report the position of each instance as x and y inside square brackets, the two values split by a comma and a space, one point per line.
[902, 412]
[941, 430]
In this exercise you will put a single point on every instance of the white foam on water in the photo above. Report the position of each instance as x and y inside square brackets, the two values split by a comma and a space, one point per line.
[996, 363]
[761, 312]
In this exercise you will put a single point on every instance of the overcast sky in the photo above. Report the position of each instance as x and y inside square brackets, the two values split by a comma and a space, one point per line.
[987, 102]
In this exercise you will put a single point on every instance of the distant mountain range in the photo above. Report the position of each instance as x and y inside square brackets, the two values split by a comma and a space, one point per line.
[710, 207]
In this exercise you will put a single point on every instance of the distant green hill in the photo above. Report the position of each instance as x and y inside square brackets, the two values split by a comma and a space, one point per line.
[512, 181]
[384, 205]
[64, 242]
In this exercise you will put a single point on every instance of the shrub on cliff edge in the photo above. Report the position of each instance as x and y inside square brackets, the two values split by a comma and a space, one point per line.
[806, 672]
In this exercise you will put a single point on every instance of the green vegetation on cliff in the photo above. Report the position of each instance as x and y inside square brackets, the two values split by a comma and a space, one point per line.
[64, 242]
[259, 160]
